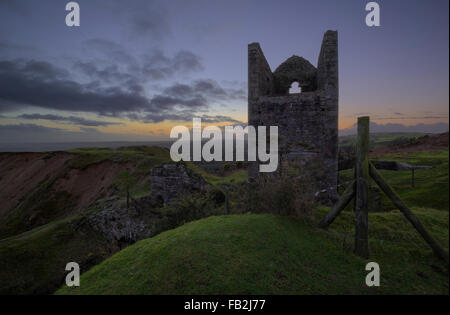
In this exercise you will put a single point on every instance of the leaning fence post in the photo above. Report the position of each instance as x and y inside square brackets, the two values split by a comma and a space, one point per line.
[343, 201]
[362, 188]
[397, 201]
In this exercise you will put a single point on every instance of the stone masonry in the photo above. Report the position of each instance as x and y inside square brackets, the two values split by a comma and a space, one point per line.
[174, 180]
[308, 121]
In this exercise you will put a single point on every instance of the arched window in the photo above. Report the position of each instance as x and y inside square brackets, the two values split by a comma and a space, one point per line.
[295, 88]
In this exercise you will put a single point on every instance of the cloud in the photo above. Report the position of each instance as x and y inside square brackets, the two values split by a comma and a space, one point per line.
[111, 52]
[185, 116]
[14, 134]
[390, 127]
[41, 84]
[13, 48]
[188, 100]
[158, 66]
[147, 19]
[208, 88]
[219, 119]
[71, 119]
[112, 89]
[31, 83]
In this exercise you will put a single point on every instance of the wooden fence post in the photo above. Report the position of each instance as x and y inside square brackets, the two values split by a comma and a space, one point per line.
[362, 188]
[343, 201]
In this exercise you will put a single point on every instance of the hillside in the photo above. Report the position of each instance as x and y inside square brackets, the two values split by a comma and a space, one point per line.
[38, 188]
[405, 144]
[267, 254]
[65, 206]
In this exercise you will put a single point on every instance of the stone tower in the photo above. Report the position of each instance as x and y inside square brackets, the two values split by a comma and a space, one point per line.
[307, 121]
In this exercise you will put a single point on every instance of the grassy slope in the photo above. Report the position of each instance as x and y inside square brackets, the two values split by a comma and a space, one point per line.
[265, 254]
[431, 185]
[34, 261]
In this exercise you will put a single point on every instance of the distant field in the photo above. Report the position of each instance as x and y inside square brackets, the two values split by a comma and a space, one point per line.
[381, 139]
[431, 186]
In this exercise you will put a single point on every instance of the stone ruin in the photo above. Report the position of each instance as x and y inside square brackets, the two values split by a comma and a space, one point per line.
[307, 121]
[174, 180]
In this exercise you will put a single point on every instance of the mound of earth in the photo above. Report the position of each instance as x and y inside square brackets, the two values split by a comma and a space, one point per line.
[252, 254]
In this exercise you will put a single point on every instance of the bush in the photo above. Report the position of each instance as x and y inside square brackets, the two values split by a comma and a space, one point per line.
[195, 206]
[287, 194]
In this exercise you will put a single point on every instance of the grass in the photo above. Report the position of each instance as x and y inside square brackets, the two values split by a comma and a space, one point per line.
[431, 185]
[382, 138]
[144, 156]
[266, 254]
[236, 177]
[34, 262]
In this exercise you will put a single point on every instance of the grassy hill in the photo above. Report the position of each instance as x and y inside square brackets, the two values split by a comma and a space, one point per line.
[267, 254]
[228, 254]
[34, 262]
[431, 185]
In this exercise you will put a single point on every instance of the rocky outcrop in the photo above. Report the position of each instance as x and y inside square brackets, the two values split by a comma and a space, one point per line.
[144, 217]
[127, 225]
[172, 181]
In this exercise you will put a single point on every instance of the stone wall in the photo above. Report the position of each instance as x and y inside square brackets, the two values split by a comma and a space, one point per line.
[307, 122]
[173, 180]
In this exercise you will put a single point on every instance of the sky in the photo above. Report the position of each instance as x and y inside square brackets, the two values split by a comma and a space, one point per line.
[134, 69]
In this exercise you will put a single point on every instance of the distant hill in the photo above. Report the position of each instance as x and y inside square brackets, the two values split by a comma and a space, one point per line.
[382, 138]
[399, 128]
[426, 142]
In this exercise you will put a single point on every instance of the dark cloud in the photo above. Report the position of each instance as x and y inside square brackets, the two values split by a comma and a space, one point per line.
[31, 83]
[111, 52]
[111, 61]
[158, 66]
[208, 88]
[185, 116]
[111, 89]
[71, 119]
[41, 84]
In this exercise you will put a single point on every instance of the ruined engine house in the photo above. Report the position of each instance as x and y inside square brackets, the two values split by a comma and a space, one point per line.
[307, 121]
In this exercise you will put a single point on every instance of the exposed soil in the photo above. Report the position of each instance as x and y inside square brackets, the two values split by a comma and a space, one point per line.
[87, 185]
[20, 173]
[41, 187]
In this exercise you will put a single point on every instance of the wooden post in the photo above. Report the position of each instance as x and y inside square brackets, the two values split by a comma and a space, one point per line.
[343, 201]
[438, 250]
[362, 188]
[412, 177]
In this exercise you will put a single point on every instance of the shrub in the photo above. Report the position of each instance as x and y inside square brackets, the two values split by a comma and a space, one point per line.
[288, 193]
